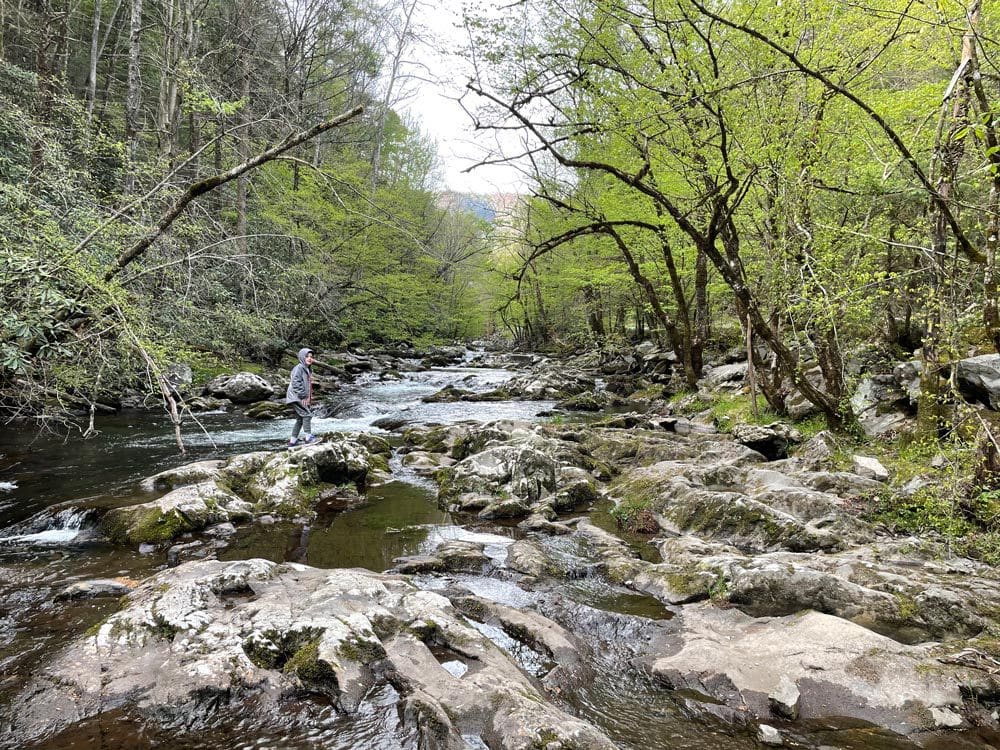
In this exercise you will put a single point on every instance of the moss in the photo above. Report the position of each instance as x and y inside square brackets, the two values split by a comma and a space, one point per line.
[361, 650]
[906, 607]
[307, 666]
[692, 583]
[163, 629]
[94, 629]
[144, 526]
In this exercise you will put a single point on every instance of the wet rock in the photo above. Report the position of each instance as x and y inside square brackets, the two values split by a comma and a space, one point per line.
[590, 401]
[220, 530]
[229, 645]
[99, 587]
[424, 462]
[505, 508]
[455, 555]
[268, 410]
[669, 583]
[285, 484]
[241, 388]
[206, 403]
[530, 558]
[187, 508]
[186, 551]
[449, 394]
[553, 383]
[390, 424]
[538, 522]
[772, 441]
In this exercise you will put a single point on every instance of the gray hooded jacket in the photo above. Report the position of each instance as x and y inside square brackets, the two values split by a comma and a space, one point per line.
[300, 384]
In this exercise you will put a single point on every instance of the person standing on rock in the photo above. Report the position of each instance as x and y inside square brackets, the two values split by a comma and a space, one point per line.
[299, 395]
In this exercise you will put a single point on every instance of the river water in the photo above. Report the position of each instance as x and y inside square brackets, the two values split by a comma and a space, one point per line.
[49, 486]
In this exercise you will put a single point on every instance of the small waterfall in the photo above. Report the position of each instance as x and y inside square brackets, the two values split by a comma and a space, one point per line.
[60, 527]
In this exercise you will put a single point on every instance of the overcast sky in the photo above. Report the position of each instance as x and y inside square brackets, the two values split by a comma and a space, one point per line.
[435, 105]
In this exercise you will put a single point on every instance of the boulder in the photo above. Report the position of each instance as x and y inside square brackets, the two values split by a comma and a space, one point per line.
[241, 388]
[269, 410]
[193, 473]
[724, 375]
[285, 484]
[178, 378]
[523, 472]
[881, 406]
[870, 468]
[234, 647]
[553, 383]
[96, 588]
[187, 508]
[979, 379]
[836, 668]
[455, 556]
[772, 441]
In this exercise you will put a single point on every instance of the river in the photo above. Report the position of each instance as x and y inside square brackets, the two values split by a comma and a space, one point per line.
[50, 486]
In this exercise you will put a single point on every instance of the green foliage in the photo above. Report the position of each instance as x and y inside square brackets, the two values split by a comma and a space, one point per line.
[737, 408]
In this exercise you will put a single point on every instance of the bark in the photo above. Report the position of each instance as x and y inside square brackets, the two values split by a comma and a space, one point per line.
[208, 184]
[649, 291]
[95, 39]
[594, 318]
[701, 313]
[133, 96]
[949, 150]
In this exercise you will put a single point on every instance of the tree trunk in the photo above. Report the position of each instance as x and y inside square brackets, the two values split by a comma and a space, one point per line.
[948, 152]
[95, 39]
[133, 96]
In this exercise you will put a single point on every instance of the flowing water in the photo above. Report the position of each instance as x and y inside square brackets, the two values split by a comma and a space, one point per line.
[50, 488]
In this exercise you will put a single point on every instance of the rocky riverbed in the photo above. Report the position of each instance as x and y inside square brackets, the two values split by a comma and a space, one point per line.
[757, 604]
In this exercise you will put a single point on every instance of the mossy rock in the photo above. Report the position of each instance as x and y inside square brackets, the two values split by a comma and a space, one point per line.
[146, 524]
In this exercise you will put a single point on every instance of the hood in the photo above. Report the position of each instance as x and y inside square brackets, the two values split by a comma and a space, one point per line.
[302, 355]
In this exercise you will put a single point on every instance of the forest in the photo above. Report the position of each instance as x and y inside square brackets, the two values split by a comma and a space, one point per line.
[224, 180]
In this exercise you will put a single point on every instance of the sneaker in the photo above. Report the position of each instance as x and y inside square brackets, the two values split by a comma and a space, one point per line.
[309, 439]
[293, 441]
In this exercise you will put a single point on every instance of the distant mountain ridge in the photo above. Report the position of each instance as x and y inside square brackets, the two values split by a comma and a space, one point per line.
[484, 206]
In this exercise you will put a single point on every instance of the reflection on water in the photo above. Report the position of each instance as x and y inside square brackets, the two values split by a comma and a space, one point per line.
[307, 723]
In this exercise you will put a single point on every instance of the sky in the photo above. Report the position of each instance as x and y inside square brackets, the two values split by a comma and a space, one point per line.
[434, 104]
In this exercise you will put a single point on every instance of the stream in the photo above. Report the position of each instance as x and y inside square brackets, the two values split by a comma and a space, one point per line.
[49, 487]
